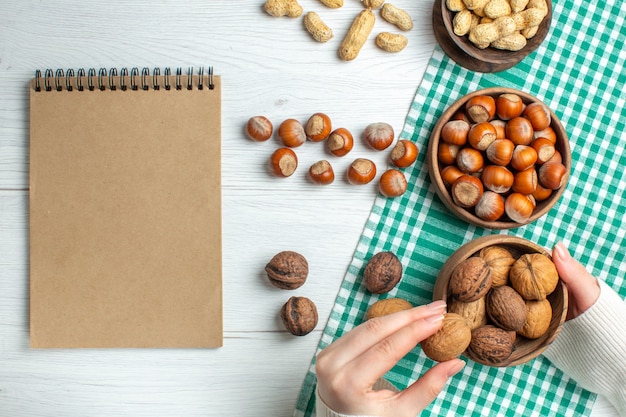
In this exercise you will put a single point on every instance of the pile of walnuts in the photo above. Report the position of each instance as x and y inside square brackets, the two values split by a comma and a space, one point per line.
[494, 298]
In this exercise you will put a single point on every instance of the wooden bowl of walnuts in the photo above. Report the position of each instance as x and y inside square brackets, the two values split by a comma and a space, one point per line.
[499, 158]
[514, 29]
[510, 295]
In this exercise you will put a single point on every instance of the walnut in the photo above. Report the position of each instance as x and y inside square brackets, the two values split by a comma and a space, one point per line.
[387, 306]
[490, 344]
[538, 317]
[474, 312]
[450, 340]
[287, 270]
[299, 315]
[382, 273]
[506, 308]
[500, 261]
[470, 280]
[534, 276]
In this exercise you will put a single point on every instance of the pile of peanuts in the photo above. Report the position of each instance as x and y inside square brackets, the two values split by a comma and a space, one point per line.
[360, 29]
[500, 24]
[339, 142]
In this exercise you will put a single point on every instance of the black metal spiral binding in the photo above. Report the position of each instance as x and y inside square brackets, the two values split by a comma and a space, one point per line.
[104, 79]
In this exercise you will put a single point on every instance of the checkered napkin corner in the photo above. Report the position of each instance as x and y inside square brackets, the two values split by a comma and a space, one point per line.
[579, 72]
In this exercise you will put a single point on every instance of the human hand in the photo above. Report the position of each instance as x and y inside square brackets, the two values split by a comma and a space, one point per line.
[348, 369]
[583, 289]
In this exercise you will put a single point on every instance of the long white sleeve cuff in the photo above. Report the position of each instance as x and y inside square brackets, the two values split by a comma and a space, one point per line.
[591, 348]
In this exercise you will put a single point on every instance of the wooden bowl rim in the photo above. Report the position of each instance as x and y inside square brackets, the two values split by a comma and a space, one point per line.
[433, 162]
[440, 291]
[462, 51]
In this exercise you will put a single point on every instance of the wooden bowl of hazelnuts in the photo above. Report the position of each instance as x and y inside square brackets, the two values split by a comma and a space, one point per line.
[490, 35]
[499, 158]
[506, 302]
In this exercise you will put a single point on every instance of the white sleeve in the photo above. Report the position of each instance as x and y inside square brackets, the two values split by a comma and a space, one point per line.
[322, 410]
[591, 348]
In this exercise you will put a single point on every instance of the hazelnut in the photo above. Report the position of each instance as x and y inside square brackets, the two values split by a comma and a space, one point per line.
[321, 172]
[544, 148]
[299, 315]
[506, 308]
[382, 273]
[490, 207]
[538, 317]
[450, 340]
[455, 132]
[518, 207]
[538, 115]
[481, 108]
[474, 312]
[404, 153]
[361, 171]
[534, 276]
[379, 136]
[259, 128]
[340, 142]
[525, 182]
[470, 160]
[447, 153]
[287, 270]
[541, 193]
[291, 133]
[523, 157]
[497, 178]
[500, 152]
[481, 135]
[500, 261]
[318, 127]
[470, 280]
[392, 183]
[387, 306]
[466, 191]
[490, 344]
[449, 174]
[519, 130]
[283, 162]
[509, 106]
[553, 175]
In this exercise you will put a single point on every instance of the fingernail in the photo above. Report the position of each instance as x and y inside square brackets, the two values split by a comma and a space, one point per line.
[435, 319]
[456, 369]
[437, 305]
[561, 250]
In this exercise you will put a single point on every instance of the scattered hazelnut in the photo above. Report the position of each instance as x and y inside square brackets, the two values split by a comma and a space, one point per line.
[340, 142]
[322, 172]
[283, 162]
[404, 153]
[382, 273]
[259, 128]
[392, 183]
[379, 136]
[287, 270]
[318, 127]
[291, 133]
[299, 315]
[450, 340]
[361, 171]
[470, 280]
[387, 306]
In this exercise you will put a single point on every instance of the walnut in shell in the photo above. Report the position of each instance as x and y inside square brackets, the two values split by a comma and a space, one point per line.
[490, 344]
[387, 306]
[382, 273]
[474, 312]
[500, 261]
[506, 308]
[299, 315]
[538, 318]
[470, 280]
[450, 340]
[287, 270]
[534, 276]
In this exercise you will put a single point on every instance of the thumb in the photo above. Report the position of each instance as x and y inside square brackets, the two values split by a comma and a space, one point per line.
[583, 287]
[424, 391]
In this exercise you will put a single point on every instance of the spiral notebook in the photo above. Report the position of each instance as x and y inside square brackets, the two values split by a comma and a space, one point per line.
[125, 209]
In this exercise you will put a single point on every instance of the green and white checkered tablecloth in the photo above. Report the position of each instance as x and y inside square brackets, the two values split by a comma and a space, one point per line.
[579, 72]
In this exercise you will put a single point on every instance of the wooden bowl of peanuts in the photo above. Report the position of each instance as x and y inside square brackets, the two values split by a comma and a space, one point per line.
[490, 35]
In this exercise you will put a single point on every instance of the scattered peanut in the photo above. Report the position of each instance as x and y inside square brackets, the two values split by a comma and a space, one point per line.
[396, 16]
[279, 8]
[372, 4]
[317, 28]
[357, 35]
[391, 42]
[333, 4]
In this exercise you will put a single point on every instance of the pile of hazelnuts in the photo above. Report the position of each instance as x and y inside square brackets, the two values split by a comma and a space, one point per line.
[498, 157]
[318, 128]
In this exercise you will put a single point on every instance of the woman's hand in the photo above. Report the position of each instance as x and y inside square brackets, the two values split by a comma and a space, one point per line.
[583, 288]
[348, 369]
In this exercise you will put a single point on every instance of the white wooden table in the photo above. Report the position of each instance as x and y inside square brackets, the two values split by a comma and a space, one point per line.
[269, 66]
